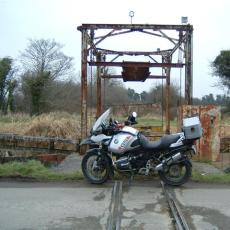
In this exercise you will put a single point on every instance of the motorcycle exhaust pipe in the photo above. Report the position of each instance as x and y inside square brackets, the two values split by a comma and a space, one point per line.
[168, 161]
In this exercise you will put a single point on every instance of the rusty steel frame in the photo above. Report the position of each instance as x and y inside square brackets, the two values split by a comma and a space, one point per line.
[167, 98]
[99, 104]
[120, 76]
[136, 64]
[90, 44]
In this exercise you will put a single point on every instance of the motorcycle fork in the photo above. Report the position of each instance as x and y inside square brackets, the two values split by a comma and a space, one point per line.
[111, 168]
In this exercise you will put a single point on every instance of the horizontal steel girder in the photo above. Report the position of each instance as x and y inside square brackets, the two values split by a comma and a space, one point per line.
[120, 76]
[135, 53]
[137, 64]
[135, 27]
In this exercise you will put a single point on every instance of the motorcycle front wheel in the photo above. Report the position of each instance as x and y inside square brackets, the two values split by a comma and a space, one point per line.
[176, 174]
[95, 168]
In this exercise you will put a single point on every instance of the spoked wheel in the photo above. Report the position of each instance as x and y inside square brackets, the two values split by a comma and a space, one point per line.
[176, 174]
[95, 168]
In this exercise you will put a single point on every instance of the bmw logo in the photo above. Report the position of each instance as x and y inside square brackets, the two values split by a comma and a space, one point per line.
[116, 141]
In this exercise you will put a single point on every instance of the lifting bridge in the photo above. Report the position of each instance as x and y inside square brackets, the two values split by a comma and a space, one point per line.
[93, 55]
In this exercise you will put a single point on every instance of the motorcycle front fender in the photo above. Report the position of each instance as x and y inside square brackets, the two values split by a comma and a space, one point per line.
[101, 153]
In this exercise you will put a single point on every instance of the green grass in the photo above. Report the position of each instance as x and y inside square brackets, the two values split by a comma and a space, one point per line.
[211, 178]
[35, 169]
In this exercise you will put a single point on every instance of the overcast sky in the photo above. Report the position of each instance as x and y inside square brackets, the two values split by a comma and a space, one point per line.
[58, 19]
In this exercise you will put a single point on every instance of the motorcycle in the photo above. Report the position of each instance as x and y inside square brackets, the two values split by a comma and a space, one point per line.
[119, 147]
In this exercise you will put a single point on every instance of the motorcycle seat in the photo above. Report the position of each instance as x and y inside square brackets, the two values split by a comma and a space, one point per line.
[162, 144]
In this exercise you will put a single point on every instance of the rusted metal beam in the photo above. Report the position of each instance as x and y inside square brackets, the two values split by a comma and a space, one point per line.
[117, 56]
[137, 64]
[188, 69]
[153, 59]
[104, 37]
[142, 31]
[135, 27]
[159, 35]
[120, 76]
[99, 104]
[177, 46]
[167, 97]
[166, 36]
[114, 34]
[134, 53]
[84, 54]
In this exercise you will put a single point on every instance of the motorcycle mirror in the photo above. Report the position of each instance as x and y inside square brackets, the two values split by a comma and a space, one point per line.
[134, 114]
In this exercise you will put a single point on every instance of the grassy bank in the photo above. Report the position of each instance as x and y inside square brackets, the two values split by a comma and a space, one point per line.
[35, 169]
[223, 178]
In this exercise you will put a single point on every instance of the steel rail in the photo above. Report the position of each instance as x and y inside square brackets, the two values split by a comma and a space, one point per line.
[114, 219]
[177, 215]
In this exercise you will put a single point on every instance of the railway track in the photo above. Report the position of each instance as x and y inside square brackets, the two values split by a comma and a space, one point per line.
[114, 220]
[115, 208]
[175, 211]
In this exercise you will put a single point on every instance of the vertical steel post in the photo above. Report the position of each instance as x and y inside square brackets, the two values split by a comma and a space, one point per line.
[188, 69]
[99, 104]
[84, 54]
[167, 97]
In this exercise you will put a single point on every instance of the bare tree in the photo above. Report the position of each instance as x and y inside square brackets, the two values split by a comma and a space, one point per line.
[43, 62]
[46, 56]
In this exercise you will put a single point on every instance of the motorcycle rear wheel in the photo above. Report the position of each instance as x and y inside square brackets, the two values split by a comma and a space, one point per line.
[95, 168]
[176, 174]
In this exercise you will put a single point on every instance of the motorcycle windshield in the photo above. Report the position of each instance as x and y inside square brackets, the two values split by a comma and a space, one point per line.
[101, 119]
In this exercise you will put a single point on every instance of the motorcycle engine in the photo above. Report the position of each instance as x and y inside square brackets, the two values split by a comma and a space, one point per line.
[130, 162]
[123, 164]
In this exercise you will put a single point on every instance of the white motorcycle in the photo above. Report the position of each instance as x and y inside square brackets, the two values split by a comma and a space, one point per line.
[116, 146]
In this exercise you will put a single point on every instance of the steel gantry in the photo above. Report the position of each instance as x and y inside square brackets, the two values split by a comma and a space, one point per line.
[93, 55]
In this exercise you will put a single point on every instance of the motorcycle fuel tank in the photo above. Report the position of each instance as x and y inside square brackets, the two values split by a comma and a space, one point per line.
[123, 141]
